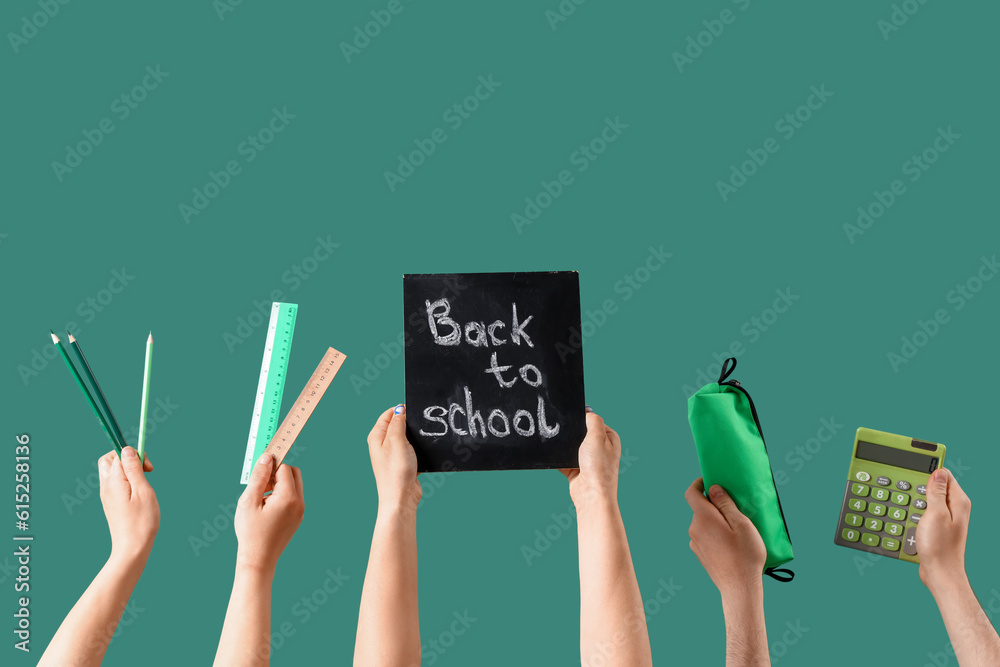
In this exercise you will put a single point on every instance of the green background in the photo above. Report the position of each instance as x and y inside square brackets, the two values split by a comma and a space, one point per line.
[323, 176]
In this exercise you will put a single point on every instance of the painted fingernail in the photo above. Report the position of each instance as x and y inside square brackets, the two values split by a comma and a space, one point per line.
[399, 409]
[590, 409]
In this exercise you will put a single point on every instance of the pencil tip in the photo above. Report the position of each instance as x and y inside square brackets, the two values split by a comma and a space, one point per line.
[55, 339]
[150, 339]
[71, 338]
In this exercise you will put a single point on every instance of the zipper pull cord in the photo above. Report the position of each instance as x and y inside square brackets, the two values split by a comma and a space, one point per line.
[727, 369]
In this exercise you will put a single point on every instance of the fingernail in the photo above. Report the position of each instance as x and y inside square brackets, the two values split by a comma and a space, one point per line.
[716, 491]
[399, 409]
[129, 453]
[590, 409]
[264, 458]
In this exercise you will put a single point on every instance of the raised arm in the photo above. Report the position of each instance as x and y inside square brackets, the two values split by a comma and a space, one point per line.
[264, 527]
[612, 620]
[389, 623]
[941, 537]
[732, 552]
[133, 519]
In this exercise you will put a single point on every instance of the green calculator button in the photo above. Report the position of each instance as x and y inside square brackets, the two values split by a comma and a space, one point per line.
[857, 505]
[893, 528]
[860, 489]
[890, 544]
[873, 524]
[897, 513]
[850, 535]
[880, 494]
[870, 540]
[853, 520]
[900, 499]
[878, 510]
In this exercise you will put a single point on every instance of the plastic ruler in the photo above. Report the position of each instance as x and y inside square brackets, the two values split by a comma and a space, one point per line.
[271, 385]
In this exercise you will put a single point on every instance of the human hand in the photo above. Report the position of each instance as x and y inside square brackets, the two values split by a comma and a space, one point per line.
[725, 541]
[265, 524]
[394, 462]
[943, 529]
[596, 480]
[129, 503]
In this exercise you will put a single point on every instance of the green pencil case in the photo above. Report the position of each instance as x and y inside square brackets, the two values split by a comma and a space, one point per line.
[732, 454]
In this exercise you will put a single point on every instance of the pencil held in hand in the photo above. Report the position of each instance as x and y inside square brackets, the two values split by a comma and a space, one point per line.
[145, 397]
[86, 392]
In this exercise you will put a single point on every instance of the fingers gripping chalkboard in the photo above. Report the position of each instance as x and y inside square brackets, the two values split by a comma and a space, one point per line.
[494, 370]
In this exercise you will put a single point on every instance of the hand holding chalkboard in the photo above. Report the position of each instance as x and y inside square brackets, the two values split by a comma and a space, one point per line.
[394, 461]
[493, 380]
[596, 480]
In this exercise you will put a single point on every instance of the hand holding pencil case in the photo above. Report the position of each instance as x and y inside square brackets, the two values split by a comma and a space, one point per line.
[732, 454]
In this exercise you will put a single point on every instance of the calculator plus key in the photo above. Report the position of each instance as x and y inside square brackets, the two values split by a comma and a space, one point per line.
[910, 543]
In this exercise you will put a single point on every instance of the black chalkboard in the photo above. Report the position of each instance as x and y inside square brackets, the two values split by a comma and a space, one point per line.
[506, 344]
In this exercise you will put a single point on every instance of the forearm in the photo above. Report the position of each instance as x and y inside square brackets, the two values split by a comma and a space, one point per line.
[84, 635]
[389, 620]
[246, 633]
[746, 633]
[972, 636]
[612, 620]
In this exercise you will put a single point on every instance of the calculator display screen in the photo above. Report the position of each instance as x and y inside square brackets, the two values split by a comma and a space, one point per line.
[896, 457]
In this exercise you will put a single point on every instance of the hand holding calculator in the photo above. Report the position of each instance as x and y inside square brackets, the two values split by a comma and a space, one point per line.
[886, 493]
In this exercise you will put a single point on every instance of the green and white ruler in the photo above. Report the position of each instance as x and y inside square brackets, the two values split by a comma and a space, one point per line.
[273, 369]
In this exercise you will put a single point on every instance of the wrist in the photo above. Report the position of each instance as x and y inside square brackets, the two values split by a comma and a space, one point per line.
[942, 582]
[742, 594]
[256, 564]
[396, 510]
[596, 503]
[130, 555]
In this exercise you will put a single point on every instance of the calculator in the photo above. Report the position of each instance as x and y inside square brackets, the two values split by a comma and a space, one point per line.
[886, 493]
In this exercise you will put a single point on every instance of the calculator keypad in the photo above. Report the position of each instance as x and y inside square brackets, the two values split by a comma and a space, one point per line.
[878, 516]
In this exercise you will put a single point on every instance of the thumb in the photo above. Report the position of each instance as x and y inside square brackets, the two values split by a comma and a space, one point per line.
[133, 468]
[397, 427]
[724, 503]
[259, 478]
[937, 490]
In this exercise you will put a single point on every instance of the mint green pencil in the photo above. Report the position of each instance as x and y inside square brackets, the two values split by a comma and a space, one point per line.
[145, 397]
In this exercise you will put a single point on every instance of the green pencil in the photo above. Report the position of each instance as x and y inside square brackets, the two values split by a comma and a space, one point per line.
[98, 392]
[86, 393]
[145, 396]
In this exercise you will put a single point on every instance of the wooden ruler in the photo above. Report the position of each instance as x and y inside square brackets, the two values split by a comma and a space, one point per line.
[271, 385]
[304, 405]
